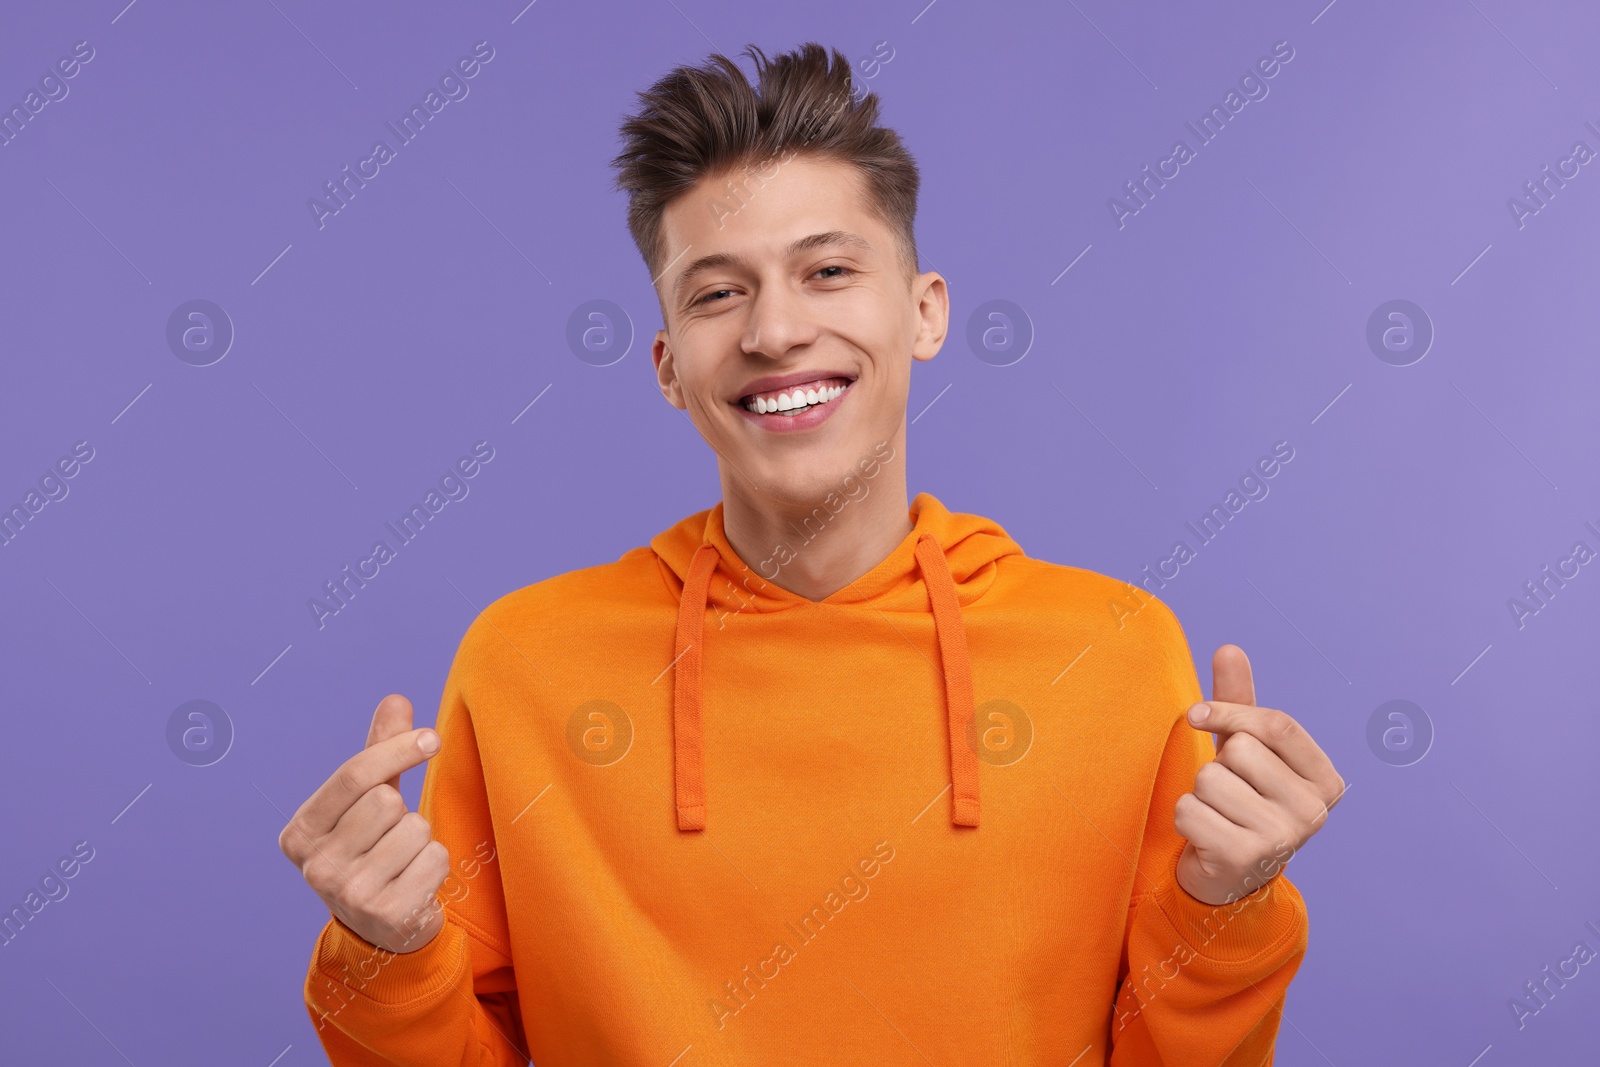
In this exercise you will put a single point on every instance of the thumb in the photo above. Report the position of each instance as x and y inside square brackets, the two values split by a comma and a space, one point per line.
[392, 717]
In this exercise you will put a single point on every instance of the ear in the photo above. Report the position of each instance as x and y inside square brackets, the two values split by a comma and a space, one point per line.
[667, 371]
[932, 297]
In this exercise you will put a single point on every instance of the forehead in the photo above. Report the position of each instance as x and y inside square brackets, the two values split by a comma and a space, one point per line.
[764, 211]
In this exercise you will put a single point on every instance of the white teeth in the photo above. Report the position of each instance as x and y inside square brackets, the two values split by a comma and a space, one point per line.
[799, 398]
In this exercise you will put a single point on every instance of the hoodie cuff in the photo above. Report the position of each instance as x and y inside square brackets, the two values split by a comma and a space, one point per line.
[346, 967]
[1257, 924]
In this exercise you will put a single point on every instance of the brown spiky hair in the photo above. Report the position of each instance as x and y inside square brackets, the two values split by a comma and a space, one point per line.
[709, 121]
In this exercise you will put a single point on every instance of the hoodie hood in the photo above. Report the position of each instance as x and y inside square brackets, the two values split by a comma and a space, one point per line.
[947, 561]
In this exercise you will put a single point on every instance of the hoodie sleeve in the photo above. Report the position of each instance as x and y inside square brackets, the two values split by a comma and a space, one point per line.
[453, 1001]
[1198, 985]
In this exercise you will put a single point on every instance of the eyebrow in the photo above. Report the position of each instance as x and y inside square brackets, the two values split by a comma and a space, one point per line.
[830, 238]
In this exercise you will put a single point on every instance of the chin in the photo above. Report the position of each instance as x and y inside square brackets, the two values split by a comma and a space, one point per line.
[808, 482]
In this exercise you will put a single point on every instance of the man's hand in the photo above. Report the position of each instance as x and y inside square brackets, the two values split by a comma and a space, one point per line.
[1268, 790]
[374, 863]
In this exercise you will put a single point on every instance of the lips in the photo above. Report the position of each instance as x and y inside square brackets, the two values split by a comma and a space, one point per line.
[797, 411]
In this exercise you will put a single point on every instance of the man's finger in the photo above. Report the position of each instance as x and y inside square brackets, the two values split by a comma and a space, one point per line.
[1273, 728]
[392, 716]
[383, 762]
[415, 888]
[364, 822]
[1231, 679]
[1261, 767]
[1206, 827]
[1235, 799]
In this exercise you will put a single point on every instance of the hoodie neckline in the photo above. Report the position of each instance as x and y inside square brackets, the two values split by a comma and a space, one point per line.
[947, 561]
[972, 545]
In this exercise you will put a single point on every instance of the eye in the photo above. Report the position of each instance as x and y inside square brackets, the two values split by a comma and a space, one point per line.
[843, 272]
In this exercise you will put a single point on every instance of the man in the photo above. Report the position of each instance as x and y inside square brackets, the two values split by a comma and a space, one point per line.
[817, 775]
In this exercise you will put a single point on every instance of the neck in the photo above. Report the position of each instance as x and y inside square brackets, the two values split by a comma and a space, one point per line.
[820, 546]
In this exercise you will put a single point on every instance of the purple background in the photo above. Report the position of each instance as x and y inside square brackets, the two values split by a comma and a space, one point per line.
[1230, 313]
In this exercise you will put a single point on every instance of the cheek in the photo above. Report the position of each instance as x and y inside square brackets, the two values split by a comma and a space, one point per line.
[694, 372]
[892, 369]
[878, 337]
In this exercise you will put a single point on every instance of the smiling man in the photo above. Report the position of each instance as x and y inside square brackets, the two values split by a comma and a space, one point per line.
[820, 773]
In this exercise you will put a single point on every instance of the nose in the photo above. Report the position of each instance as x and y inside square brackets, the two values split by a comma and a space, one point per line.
[779, 320]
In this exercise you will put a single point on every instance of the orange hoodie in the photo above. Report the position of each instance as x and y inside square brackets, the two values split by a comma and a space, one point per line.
[698, 819]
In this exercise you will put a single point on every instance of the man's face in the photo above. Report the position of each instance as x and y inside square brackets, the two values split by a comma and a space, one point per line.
[807, 287]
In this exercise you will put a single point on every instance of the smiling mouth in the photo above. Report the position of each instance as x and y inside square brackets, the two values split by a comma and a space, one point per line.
[792, 401]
